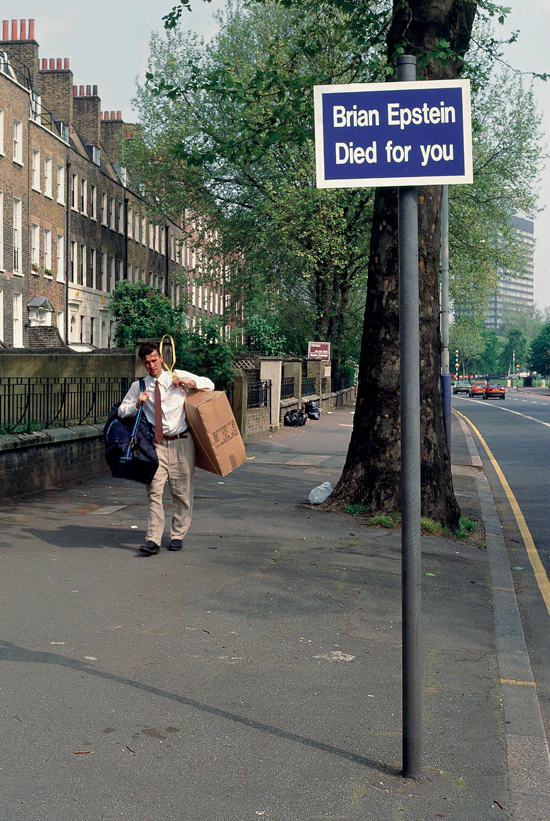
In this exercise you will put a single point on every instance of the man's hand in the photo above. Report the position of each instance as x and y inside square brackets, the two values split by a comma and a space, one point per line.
[180, 382]
[143, 397]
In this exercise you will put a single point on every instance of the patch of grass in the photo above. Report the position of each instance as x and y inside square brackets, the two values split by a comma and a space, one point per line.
[432, 527]
[465, 527]
[357, 510]
[386, 520]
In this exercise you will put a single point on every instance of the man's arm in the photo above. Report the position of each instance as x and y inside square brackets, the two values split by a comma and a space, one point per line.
[190, 381]
[131, 402]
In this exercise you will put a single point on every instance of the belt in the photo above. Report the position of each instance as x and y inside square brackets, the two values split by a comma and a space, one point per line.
[172, 436]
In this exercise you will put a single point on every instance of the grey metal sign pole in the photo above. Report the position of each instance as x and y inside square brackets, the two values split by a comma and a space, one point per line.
[410, 463]
[445, 375]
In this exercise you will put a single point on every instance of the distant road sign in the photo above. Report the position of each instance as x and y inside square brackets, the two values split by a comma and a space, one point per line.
[389, 134]
[318, 350]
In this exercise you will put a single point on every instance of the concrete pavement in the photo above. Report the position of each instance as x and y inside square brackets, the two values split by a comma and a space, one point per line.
[257, 674]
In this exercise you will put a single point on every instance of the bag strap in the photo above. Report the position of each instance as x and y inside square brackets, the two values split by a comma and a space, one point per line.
[136, 423]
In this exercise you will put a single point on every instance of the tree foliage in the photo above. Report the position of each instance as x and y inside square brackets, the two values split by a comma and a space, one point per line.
[144, 312]
[540, 350]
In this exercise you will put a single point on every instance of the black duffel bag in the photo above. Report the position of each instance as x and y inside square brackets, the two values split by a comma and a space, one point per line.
[312, 410]
[295, 418]
[129, 446]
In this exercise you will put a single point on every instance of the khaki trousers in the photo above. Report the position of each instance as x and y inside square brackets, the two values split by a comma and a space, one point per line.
[177, 466]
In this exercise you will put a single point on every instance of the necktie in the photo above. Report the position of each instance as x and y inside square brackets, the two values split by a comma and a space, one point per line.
[158, 414]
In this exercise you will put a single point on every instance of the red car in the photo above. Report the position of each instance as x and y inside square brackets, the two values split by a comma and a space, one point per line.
[494, 390]
[478, 389]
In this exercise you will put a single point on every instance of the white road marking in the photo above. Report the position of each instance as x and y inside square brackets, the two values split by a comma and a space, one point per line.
[517, 413]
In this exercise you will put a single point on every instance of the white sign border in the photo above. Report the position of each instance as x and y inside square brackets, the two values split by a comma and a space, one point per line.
[393, 182]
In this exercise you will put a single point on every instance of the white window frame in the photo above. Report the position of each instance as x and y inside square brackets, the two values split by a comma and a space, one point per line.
[83, 196]
[35, 246]
[112, 213]
[61, 184]
[60, 323]
[35, 170]
[93, 201]
[48, 177]
[17, 238]
[74, 192]
[17, 320]
[93, 268]
[104, 209]
[73, 261]
[83, 270]
[104, 272]
[120, 217]
[1, 149]
[60, 251]
[17, 141]
[48, 252]
[130, 222]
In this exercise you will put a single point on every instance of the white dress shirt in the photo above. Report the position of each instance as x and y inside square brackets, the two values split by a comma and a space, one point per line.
[172, 400]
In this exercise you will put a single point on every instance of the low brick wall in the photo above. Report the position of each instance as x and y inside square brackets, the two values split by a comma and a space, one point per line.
[33, 462]
[257, 421]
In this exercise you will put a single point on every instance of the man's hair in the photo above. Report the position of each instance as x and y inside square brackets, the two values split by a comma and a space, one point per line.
[148, 347]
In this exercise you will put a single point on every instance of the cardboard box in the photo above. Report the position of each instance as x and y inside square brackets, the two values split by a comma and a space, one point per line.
[218, 441]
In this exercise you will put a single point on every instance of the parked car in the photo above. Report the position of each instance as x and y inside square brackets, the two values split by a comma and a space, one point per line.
[477, 389]
[462, 386]
[494, 390]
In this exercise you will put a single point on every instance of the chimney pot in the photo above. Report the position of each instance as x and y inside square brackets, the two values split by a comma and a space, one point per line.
[94, 91]
[119, 115]
[81, 92]
[75, 91]
[22, 29]
[105, 115]
[31, 29]
[52, 63]
[44, 64]
[113, 115]
[5, 29]
[58, 64]
[14, 29]
[66, 62]
[88, 91]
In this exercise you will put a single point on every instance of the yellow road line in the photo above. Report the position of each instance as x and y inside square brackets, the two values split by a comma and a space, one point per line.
[514, 681]
[538, 567]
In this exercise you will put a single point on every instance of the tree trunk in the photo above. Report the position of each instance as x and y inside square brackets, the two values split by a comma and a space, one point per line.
[372, 473]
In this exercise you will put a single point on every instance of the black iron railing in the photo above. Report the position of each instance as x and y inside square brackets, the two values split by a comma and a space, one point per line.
[34, 403]
[287, 387]
[308, 385]
[259, 394]
[341, 383]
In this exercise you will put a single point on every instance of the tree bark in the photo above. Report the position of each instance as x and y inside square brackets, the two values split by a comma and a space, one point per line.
[372, 472]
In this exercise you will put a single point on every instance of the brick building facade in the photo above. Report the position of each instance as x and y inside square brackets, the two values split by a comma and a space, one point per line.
[71, 225]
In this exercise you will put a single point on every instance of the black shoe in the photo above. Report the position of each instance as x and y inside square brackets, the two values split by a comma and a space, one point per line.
[150, 548]
[175, 544]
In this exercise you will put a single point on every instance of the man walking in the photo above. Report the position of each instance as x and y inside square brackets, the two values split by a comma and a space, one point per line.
[163, 400]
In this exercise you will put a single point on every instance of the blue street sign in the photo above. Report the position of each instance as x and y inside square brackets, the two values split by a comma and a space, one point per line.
[389, 134]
